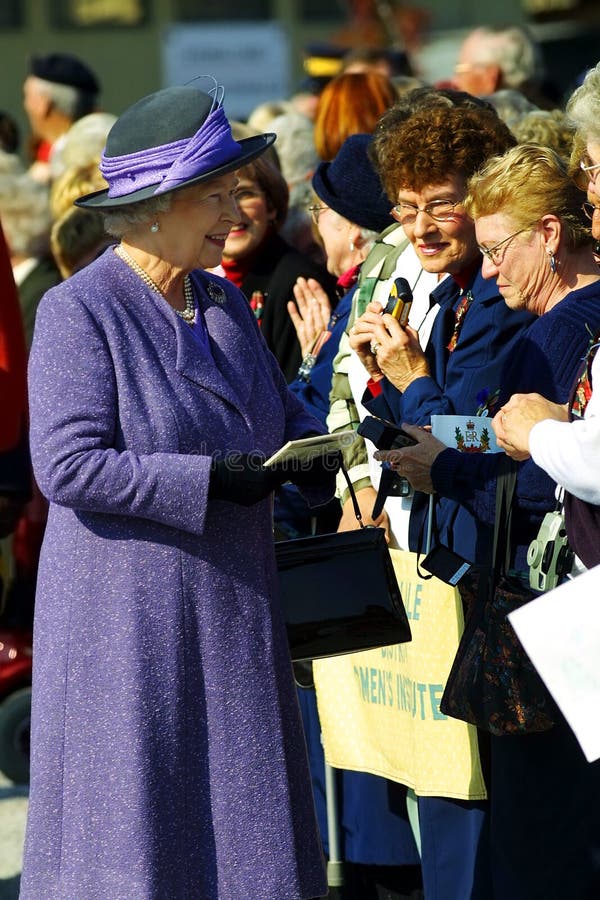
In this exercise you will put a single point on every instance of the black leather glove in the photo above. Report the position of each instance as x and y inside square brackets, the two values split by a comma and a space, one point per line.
[320, 470]
[242, 478]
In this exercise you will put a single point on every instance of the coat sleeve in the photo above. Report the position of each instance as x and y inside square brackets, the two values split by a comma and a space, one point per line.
[569, 451]
[470, 479]
[299, 422]
[74, 420]
[490, 332]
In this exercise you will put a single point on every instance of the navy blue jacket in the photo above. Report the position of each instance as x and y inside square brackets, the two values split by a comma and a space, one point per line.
[545, 360]
[486, 340]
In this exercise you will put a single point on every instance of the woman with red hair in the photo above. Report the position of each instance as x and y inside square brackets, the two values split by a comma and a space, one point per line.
[351, 103]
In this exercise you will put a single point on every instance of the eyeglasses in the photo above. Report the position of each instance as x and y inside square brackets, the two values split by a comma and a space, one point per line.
[590, 209]
[243, 196]
[492, 252]
[438, 210]
[463, 68]
[315, 212]
[588, 167]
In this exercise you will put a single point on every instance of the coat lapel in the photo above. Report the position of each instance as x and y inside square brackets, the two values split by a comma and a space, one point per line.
[228, 370]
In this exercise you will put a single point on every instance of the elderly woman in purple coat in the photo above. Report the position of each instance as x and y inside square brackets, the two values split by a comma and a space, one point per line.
[168, 759]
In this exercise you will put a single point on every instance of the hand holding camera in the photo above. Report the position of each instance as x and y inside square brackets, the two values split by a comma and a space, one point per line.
[399, 301]
[386, 345]
[386, 436]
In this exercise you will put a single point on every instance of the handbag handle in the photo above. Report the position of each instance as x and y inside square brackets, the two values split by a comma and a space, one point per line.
[355, 505]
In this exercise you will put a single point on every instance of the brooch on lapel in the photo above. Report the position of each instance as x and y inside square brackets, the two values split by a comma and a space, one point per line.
[216, 292]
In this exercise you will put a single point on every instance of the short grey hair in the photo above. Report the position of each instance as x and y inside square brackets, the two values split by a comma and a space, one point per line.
[511, 105]
[369, 237]
[514, 51]
[25, 214]
[297, 154]
[85, 140]
[64, 97]
[119, 220]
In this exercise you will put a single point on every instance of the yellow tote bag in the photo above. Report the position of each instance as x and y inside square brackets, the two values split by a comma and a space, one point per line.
[379, 709]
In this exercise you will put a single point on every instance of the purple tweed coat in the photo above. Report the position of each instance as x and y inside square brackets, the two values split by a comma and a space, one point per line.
[168, 760]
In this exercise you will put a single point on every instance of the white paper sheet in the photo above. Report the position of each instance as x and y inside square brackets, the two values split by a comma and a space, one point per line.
[561, 632]
[305, 449]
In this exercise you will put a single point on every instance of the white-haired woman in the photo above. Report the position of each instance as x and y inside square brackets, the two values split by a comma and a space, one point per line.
[167, 750]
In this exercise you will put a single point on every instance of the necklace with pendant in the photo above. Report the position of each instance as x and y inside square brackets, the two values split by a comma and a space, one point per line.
[187, 314]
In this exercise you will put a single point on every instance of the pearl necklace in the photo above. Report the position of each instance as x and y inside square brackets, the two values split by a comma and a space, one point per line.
[188, 314]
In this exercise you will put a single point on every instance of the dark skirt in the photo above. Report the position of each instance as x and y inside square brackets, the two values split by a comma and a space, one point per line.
[545, 817]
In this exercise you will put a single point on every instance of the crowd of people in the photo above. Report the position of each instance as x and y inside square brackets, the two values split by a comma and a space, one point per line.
[189, 294]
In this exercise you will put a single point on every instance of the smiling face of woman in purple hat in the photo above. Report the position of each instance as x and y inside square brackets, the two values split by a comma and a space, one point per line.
[198, 222]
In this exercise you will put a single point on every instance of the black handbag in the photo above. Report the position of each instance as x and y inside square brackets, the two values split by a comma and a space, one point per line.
[339, 592]
[492, 683]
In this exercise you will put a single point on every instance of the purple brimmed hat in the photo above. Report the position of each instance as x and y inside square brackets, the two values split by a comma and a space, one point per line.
[170, 140]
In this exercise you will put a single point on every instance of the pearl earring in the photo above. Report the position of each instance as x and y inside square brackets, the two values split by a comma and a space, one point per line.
[154, 227]
[352, 248]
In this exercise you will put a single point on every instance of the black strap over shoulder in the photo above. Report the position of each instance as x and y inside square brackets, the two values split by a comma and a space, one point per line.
[506, 483]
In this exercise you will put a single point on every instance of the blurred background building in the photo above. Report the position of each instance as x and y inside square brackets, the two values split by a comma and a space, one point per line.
[257, 47]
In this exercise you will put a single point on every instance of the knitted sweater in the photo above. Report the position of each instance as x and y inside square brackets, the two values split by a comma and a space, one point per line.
[544, 360]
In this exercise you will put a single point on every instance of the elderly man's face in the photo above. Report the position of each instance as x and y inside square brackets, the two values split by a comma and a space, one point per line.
[36, 103]
[473, 75]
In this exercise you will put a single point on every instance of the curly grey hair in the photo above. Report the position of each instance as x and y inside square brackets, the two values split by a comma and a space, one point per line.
[118, 220]
[25, 213]
[583, 107]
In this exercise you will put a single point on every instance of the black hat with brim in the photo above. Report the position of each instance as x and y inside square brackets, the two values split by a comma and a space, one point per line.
[62, 68]
[169, 115]
[351, 187]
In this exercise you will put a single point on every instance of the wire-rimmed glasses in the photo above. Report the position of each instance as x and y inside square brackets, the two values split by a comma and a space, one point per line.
[590, 209]
[438, 210]
[493, 253]
[315, 211]
[245, 195]
[589, 169]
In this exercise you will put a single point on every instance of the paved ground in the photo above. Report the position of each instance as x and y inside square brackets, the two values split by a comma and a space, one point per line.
[13, 810]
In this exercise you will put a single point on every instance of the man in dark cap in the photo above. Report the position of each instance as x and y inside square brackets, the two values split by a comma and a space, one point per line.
[58, 90]
[321, 63]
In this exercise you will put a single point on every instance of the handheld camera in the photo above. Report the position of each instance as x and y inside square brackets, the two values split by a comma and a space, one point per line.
[399, 302]
[385, 435]
[549, 556]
